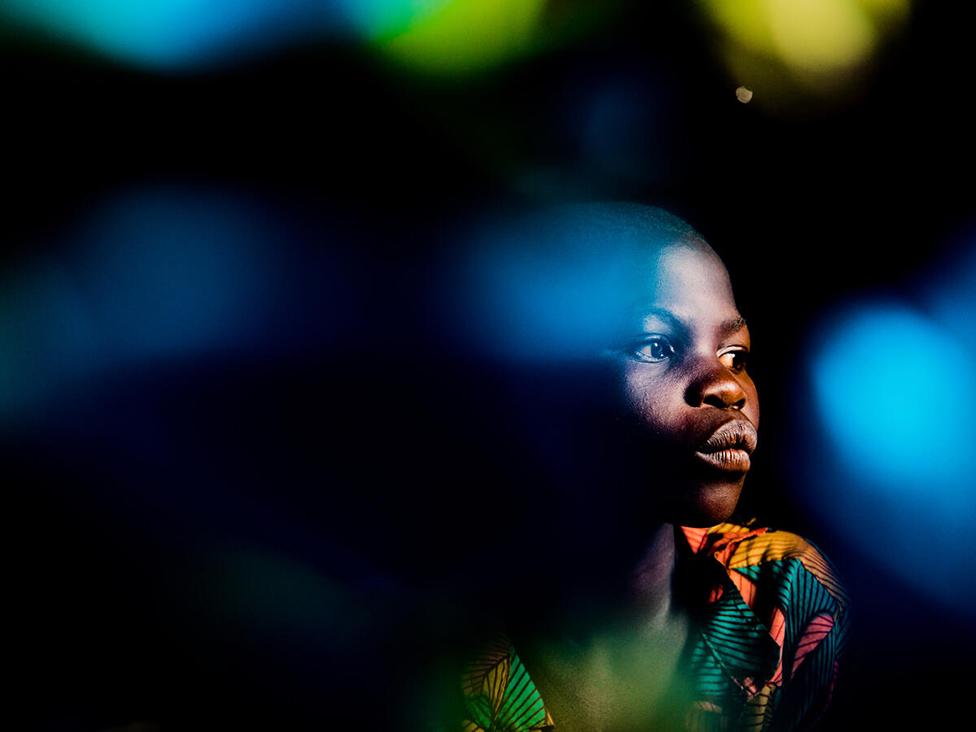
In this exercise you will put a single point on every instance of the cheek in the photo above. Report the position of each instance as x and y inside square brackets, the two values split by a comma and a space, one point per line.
[650, 398]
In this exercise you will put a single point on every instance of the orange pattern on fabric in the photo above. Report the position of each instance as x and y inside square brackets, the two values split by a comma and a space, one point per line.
[815, 632]
[727, 543]
[777, 629]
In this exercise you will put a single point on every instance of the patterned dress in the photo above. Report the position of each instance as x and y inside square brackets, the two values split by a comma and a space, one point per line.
[769, 628]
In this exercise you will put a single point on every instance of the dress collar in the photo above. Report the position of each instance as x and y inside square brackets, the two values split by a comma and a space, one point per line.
[747, 647]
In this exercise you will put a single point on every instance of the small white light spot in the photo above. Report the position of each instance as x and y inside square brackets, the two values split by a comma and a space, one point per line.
[743, 94]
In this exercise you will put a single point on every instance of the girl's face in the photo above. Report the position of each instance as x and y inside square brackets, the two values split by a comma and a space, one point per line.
[683, 373]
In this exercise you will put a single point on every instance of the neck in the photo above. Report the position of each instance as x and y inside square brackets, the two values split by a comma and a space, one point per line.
[649, 588]
[626, 587]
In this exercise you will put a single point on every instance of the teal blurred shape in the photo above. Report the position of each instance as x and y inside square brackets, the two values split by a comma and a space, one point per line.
[174, 34]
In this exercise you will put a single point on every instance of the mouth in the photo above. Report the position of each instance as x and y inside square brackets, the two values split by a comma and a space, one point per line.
[729, 447]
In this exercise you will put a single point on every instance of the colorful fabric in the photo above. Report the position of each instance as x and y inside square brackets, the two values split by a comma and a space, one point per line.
[769, 631]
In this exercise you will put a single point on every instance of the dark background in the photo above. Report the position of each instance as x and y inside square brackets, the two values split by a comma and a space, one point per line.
[177, 530]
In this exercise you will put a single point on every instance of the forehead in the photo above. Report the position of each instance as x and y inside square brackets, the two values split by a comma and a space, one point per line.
[689, 280]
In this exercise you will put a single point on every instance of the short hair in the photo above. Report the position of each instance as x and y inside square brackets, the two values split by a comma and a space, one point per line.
[637, 218]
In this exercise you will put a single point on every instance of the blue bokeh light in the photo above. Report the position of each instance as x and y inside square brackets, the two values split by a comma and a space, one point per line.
[889, 458]
[553, 285]
[887, 383]
[172, 271]
[168, 34]
[155, 274]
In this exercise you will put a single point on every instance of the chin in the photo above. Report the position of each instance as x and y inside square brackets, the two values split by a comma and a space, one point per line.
[708, 504]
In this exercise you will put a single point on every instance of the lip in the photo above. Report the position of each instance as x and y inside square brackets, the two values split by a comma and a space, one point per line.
[729, 447]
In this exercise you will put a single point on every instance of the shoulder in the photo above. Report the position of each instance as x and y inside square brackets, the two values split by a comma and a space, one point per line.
[805, 579]
[770, 557]
[787, 584]
[783, 585]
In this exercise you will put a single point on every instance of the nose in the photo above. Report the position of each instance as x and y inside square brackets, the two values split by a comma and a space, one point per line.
[716, 386]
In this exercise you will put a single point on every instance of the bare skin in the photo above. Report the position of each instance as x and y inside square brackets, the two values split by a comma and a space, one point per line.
[615, 674]
[681, 374]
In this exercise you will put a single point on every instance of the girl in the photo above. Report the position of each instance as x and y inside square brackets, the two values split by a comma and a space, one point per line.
[642, 601]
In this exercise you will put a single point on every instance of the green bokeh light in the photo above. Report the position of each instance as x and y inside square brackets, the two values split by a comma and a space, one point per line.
[451, 36]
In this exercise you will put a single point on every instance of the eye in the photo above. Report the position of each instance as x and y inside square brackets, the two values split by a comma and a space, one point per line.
[735, 360]
[652, 349]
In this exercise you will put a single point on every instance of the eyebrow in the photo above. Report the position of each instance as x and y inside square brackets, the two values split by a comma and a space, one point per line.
[726, 327]
[734, 325]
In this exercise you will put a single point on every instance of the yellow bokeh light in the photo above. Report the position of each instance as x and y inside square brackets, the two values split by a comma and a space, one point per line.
[744, 21]
[820, 35]
[791, 45]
